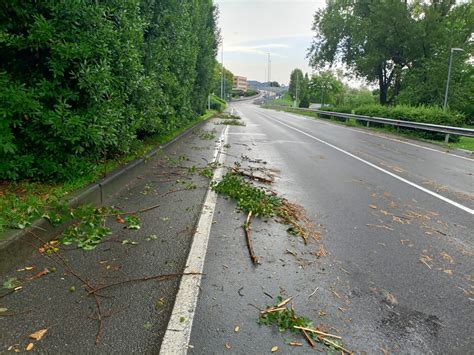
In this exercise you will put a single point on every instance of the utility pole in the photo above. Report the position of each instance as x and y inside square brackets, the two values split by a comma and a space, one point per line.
[269, 69]
[445, 106]
[222, 71]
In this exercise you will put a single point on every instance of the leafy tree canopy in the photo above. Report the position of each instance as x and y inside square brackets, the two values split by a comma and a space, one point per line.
[385, 41]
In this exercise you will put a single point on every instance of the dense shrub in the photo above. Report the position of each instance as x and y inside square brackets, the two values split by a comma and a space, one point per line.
[424, 114]
[83, 80]
[217, 104]
[339, 109]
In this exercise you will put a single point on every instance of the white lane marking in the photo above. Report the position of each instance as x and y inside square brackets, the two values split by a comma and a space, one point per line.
[445, 199]
[178, 332]
[319, 120]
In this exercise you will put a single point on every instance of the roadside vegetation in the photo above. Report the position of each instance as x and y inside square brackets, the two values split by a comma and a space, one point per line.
[409, 64]
[21, 202]
[87, 87]
[85, 82]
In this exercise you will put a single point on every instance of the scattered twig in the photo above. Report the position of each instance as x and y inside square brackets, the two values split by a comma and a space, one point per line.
[7, 293]
[337, 346]
[288, 251]
[317, 332]
[284, 303]
[267, 294]
[271, 310]
[247, 237]
[308, 339]
[13, 314]
[130, 213]
[251, 176]
[312, 293]
[380, 226]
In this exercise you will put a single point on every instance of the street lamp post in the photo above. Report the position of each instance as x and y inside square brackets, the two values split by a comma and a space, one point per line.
[445, 106]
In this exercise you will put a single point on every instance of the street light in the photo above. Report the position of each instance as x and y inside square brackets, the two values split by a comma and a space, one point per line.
[449, 75]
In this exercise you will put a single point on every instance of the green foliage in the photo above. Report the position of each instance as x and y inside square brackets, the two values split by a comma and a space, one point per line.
[228, 82]
[207, 135]
[286, 319]
[11, 283]
[357, 97]
[231, 122]
[325, 88]
[248, 197]
[89, 230]
[217, 104]
[285, 100]
[424, 114]
[296, 82]
[80, 82]
[403, 46]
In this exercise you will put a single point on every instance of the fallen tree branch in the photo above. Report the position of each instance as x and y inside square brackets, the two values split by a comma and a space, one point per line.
[13, 314]
[247, 237]
[141, 279]
[7, 293]
[130, 213]
[251, 176]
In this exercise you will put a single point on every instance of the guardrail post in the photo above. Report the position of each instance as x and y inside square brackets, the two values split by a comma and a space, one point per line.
[446, 138]
[368, 123]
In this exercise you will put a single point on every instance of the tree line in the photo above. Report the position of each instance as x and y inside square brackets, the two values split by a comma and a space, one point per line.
[402, 46]
[83, 80]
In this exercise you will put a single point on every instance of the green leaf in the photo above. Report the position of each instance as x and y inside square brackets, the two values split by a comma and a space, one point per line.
[11, 283]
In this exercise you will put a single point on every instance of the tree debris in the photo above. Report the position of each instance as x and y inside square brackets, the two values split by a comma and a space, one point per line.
[246, 227]
[285, 318]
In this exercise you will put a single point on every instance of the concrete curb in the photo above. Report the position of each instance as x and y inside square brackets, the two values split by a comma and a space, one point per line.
[17, 245]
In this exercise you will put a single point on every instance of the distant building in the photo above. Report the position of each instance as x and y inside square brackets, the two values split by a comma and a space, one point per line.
[240, 83]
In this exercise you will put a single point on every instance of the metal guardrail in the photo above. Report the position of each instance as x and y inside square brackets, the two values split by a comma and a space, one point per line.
[448, 130]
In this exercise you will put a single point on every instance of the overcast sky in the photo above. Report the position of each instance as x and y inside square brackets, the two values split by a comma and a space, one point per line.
[252, 28]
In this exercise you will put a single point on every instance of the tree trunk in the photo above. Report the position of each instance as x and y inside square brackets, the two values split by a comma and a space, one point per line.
[383, 88]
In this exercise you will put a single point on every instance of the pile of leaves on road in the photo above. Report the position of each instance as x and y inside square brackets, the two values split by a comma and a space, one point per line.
[260, 201]
[285, 318]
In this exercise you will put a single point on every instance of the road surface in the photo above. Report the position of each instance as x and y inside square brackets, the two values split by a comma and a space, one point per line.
[397, 225]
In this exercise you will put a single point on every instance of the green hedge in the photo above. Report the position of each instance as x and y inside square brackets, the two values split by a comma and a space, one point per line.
[81, 81]
[217, 103]
[423, 114]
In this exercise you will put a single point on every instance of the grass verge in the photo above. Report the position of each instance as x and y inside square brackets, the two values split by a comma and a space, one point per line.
[466, 143]
[23, 202]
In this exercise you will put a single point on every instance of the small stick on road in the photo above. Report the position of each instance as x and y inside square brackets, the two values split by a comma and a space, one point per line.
[308, 338]
[317, 288]
[317, 332]
[247, 237]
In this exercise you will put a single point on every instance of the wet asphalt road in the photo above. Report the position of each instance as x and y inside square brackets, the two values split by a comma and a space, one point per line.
[398, 275]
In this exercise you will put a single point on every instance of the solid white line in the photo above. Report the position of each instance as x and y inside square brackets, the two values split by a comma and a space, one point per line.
[319, 120]
[178, 332]
[445, 199]
[247, 134]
